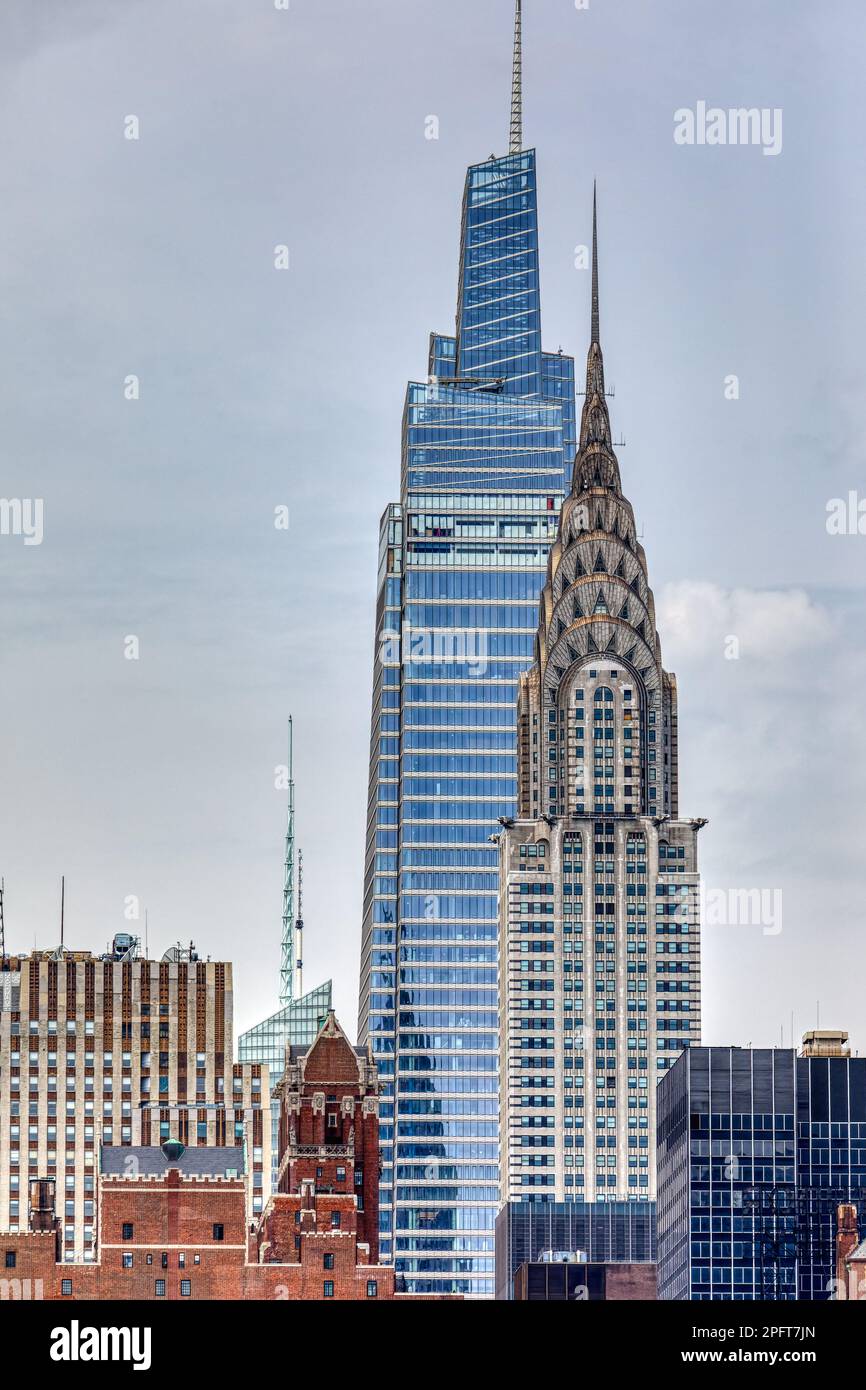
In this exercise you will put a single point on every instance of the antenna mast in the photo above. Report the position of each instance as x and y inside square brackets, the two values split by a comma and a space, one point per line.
[515, 138]
[2, 927]
[287, 963]
[299, 925]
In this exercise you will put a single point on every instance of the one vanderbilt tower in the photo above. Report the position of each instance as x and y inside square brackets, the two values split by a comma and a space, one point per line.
[599, 932]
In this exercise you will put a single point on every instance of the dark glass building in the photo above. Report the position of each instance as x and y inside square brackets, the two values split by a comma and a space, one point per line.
[604, 1232]
[487, 444]
[756, 1150]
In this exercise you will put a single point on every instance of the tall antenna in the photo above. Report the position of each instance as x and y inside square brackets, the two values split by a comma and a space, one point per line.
[287, 963]
[299, 925]
[2, 926]
[62, 907]
[515, 139]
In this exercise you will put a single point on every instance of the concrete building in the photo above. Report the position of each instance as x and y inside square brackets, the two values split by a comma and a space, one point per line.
[116, 1051]
[599, 937]
[757, 1150]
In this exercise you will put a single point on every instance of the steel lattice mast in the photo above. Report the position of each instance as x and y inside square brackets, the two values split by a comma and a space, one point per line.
[287, 963]
[515, 139]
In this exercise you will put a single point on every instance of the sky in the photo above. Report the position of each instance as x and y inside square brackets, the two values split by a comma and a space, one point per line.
[152, 780]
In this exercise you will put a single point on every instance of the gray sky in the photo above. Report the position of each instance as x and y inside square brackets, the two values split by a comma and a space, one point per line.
[260, 388]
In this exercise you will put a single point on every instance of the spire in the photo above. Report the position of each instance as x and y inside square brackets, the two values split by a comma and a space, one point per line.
[287, 962]
[596, 462]
[515, 140]
[593, 337]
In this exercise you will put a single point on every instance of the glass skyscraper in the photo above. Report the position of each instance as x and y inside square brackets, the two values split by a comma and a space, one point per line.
[487, 445]
[757, 1149]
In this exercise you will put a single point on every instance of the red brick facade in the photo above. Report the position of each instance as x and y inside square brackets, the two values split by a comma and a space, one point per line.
[174, 1236]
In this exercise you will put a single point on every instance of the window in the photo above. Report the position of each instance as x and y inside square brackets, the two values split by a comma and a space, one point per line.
[372, 1288]
[218, 1231]
[335, 1220]
[185, 1288]
[66, 1286]
[332, 1121]
[329, 1262]
[328, 1289]
[126, 1232]
[126, 1261]
[160, 1288]
[10, 1259]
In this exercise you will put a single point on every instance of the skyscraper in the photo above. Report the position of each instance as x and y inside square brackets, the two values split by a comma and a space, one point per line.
[487, 444]
[599, 933]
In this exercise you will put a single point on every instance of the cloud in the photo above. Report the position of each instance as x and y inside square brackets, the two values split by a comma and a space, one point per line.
[772, 750]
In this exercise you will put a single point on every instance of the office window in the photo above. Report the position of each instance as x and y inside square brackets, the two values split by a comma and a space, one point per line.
[126, 1261]
[66, 1286]
[10, 1259]
[218, 1231]
[335, 1219]
[372, 1288]
[329, 1262]
[185, 1288]
[160, 1288]
[328, 1289]
[126, 1232]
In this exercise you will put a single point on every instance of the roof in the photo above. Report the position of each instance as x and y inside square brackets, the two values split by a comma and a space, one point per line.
[859, 1253]
[150, 1161]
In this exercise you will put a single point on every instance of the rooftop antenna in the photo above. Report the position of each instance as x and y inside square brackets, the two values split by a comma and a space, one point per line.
[62, 908]
[146, 948]
[287, 962]
[515, 138]
[299, 925]
[2, 926]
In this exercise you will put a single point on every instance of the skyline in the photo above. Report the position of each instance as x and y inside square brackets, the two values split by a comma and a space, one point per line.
[782, 607]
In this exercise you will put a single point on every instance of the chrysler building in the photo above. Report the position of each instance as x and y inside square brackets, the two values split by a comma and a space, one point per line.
[599, 931]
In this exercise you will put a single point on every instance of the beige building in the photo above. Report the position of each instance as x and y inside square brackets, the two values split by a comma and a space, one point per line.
[599, 893]
[116, 1050]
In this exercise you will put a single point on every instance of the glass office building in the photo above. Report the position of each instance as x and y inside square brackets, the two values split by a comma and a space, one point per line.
[757, 1148]
[603, 1232]
[487, 447]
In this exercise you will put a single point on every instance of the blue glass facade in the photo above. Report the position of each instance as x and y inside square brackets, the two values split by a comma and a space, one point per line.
[488, 442]
[756, 1150]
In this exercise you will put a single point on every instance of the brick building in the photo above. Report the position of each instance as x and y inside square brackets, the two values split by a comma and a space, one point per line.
[850, 1256]
[115, 1050]
[174, 1221]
